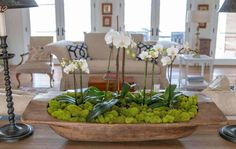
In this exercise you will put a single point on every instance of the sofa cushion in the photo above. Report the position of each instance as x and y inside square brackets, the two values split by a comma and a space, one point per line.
[97, 47]
[34, 67]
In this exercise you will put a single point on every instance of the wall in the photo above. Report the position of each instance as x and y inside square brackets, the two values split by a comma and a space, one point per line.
[116, 11]
[17, 26]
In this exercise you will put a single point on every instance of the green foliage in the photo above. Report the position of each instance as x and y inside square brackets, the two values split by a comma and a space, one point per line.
[126, 107]
[101, 108]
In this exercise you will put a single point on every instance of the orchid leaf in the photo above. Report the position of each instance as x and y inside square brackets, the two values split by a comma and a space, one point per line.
[93, 91]
[66, 98]
[158, 104]
[125, 90]
[93, 99]
[100, 108]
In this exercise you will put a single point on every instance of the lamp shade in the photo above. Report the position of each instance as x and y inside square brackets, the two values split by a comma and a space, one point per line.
[11, 4]
[228, 6]
[198, 16]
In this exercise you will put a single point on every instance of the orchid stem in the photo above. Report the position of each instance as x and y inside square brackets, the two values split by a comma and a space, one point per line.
[81, 85]
[108, 71]
[145, 81]
[75, 88]
[117, 70]
[123, 67]
[153, 68]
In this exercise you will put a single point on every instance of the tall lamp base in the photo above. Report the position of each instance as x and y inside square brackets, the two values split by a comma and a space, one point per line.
[11, 133]
[228, 133]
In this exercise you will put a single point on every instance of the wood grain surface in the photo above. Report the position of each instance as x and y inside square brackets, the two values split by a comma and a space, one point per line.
[209, 114]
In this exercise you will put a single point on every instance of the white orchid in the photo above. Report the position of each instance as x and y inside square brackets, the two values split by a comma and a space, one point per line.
[172, 52]
[84, 66]
[109, 37]
[144, 55]
[154, 54]
[123, 40]
[158, 47]
[165, 60]
[73, 65]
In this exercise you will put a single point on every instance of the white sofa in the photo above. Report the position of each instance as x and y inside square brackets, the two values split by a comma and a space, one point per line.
[99, 53]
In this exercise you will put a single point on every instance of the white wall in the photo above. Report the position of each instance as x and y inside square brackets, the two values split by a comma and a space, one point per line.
[18, 32]
[116, 12]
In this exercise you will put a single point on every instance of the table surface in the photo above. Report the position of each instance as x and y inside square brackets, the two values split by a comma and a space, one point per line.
[44, 138]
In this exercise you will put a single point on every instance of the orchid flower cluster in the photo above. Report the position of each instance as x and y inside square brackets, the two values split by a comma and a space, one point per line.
[71, 67]
[120, 40]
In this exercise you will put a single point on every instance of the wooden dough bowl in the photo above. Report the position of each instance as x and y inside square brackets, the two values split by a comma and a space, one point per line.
[36, 112]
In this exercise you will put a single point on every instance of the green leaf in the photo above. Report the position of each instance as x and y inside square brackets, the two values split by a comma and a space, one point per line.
[125, 89]
[93, 99]
[93, 91]
[169, 92]
[100, 108]
[66, 98]
[158, 104]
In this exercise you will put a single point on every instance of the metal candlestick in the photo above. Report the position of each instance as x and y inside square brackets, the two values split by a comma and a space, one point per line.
[12, 131]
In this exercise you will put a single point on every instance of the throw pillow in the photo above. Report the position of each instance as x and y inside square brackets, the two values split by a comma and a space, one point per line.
[77, 51]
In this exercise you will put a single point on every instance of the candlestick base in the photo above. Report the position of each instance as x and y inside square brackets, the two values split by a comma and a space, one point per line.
[15, 132]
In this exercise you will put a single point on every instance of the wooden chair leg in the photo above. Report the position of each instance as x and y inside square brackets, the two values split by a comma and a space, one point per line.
[31, 77]
[18, 79]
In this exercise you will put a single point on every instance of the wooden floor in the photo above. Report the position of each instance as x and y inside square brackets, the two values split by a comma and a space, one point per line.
[42, 81]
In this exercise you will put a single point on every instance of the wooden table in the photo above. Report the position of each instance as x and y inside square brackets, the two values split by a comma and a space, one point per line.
[100, 83]
[44, 138]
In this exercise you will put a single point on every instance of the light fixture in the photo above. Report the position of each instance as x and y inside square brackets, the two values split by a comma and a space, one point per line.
[228, 132]
[199, 17]
[12, 131]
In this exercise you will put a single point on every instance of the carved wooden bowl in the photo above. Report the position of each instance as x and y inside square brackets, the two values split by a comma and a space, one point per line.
[208, 114]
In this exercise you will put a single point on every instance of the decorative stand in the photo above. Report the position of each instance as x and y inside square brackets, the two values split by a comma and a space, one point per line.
[12, 131]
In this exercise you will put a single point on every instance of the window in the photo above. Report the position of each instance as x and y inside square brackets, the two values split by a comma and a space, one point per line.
[77, 19]
[172, 20]
[63, 19]
[226, 36]
[42, 19]
[138, 17]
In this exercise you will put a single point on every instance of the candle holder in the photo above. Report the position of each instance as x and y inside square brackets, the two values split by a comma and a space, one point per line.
[12, 131]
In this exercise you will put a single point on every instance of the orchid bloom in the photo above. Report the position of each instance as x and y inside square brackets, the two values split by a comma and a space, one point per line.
[72, 66]
[109, 37]
[144, 55]
[158, 47]
[172, 52]
[84, 66]
[123, 40]
[154, 54]
[166, 60]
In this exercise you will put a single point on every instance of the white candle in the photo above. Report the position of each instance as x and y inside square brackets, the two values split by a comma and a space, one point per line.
[2, 24]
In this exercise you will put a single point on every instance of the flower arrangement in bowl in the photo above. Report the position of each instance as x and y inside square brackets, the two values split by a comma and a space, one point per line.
[94, 115]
